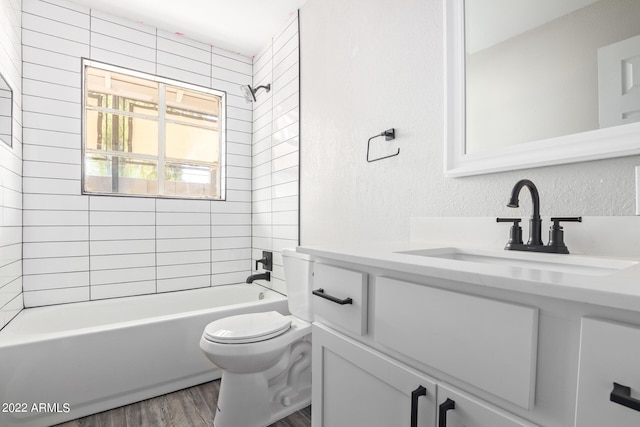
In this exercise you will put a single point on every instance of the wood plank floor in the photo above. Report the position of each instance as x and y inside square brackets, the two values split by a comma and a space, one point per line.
[191, 407]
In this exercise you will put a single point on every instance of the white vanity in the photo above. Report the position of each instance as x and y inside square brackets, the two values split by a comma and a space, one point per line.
[425, 334]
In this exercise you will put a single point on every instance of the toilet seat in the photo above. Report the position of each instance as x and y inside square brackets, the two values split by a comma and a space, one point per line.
[247, 328]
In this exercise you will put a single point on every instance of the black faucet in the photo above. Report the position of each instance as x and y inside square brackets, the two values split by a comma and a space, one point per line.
[556, 234]
[535, 223]
[262, 276]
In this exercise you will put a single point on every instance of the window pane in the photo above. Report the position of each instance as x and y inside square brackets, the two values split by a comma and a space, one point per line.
[186, 142]
[120, 91]
[121, 175]
[113, 132]
[194, 104]
[190, 181]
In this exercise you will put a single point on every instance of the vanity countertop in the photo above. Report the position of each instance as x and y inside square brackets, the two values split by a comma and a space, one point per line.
[617, 289]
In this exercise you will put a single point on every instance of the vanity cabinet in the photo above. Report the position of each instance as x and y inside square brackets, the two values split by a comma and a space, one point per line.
[354, 385]
[609, 353]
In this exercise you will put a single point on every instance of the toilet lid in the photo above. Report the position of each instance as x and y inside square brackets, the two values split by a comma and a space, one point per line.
[246, 328]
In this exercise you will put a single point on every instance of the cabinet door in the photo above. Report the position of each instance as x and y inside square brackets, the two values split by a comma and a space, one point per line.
[455, 409]
[354, 385]
[609, 353]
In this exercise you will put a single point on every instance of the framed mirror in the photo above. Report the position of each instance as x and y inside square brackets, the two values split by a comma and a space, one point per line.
[535, 83]
[6, 109]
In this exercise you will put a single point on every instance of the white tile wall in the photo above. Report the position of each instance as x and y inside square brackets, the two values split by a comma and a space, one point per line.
[275, 150]
[79, 247]
[11, 167]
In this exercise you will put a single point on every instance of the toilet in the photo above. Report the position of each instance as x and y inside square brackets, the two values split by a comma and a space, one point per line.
[265, 357]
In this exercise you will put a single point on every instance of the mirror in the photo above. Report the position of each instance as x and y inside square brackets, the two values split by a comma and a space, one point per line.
[6, 108]
[540, 82]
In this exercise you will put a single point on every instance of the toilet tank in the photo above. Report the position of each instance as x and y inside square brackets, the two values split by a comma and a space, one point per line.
[298, 277]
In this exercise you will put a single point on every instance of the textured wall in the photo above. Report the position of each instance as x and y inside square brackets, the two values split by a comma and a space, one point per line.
[368, 66]
[79, 247]
[275, 149]
[11, 167]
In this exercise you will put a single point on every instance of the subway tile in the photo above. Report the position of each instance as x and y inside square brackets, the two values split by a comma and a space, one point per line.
[238, 172]
[229, 278]
[55, 234]
[58, 60]
[41, 153]
[180, 61]
[285, 190]
[230, 254]
[37, 282]
[110, 247]
[167, 218]
[52, 106]
[285, 204]
[175, 245]
[10, 272]
[183, 283]
[51, 186]
[47, 143]
[55, 296]
[183, 75]
[120, 29]
[231, 266]
[112, 44]
[123, 22]
[218, 219]
[118, 290]
[51, 123]
[285, 175]
[180, 205]
[183, 231]
[185, 48]
[60, 29]
[115, 218]
[111, 262]
[183, 270]
[51, 170]
[123, 60]
[231, 207]
[238, 195]
[286, 161]
[55, 202]
[184, 257]
[285, 218]
[55, 265]
[56, 13]
[55, 218]
[54, 44]
[123, 204]
[230, 242]
[122, 275]
[55, 249]
[123, 232]
[239, 184]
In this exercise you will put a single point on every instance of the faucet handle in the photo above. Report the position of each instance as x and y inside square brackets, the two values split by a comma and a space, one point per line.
[515, 234]
[556, 234]
[557, 220]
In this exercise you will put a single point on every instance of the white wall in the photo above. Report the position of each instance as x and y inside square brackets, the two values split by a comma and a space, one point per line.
[79, 247]
[371, 65]
[11, 168]
[276, 149]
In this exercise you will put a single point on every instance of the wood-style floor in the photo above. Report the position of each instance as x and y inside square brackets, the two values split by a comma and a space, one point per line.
[191, 407]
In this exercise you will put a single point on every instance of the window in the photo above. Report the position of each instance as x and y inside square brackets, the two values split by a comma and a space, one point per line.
[150, 136]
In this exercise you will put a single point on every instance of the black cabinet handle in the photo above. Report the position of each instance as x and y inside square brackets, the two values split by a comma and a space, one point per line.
[442, 411]
[415, 394]
[320, 293]
[622, 395]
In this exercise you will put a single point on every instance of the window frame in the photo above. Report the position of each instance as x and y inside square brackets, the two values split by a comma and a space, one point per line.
[160, 158]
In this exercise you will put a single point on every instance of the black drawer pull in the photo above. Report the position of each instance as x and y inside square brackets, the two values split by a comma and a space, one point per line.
[320, 293]
[415, 394]
[442, 411]
[622, 395]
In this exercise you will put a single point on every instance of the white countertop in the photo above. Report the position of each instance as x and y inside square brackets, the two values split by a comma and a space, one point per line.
[618, 289]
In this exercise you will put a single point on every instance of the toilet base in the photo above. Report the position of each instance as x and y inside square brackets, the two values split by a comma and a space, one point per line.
[262, 398]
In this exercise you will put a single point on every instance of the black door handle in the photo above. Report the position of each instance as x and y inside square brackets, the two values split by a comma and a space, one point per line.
[320, 293]
[622, 395]
[415, 394]
[442, 411]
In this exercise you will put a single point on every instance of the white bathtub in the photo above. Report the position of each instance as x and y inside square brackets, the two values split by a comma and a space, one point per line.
[63, 362]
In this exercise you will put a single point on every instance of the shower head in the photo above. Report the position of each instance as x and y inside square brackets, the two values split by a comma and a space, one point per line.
[249, 93]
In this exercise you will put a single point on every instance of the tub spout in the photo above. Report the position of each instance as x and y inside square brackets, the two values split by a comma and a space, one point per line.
[262, 276]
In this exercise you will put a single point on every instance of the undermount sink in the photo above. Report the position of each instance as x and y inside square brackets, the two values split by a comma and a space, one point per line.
[571, 264]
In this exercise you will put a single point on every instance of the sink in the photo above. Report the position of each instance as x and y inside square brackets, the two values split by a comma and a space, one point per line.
[570, 264]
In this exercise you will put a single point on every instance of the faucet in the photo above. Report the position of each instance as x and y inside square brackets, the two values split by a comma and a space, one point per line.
[556, 234]
[535, 223]
[262, 276]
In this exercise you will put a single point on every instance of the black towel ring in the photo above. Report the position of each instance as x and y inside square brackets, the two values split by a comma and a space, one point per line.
[388, 134]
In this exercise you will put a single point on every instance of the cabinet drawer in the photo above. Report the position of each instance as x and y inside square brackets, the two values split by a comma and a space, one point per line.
[609, 352]
[489, 344]
[354, 385]
[340, 298]
[455, 409]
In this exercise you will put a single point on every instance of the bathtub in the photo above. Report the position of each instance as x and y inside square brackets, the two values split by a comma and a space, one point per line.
[67, 361]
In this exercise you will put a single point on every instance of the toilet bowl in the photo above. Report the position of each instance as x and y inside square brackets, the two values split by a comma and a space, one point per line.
[265, 357]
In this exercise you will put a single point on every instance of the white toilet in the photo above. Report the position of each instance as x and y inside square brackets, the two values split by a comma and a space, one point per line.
[265, 357]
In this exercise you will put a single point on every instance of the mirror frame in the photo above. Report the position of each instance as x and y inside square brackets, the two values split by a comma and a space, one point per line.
[617, 141]
[10, 135]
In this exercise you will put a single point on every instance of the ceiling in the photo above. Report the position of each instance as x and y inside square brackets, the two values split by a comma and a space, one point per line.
[241, 26]
[491, 21]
